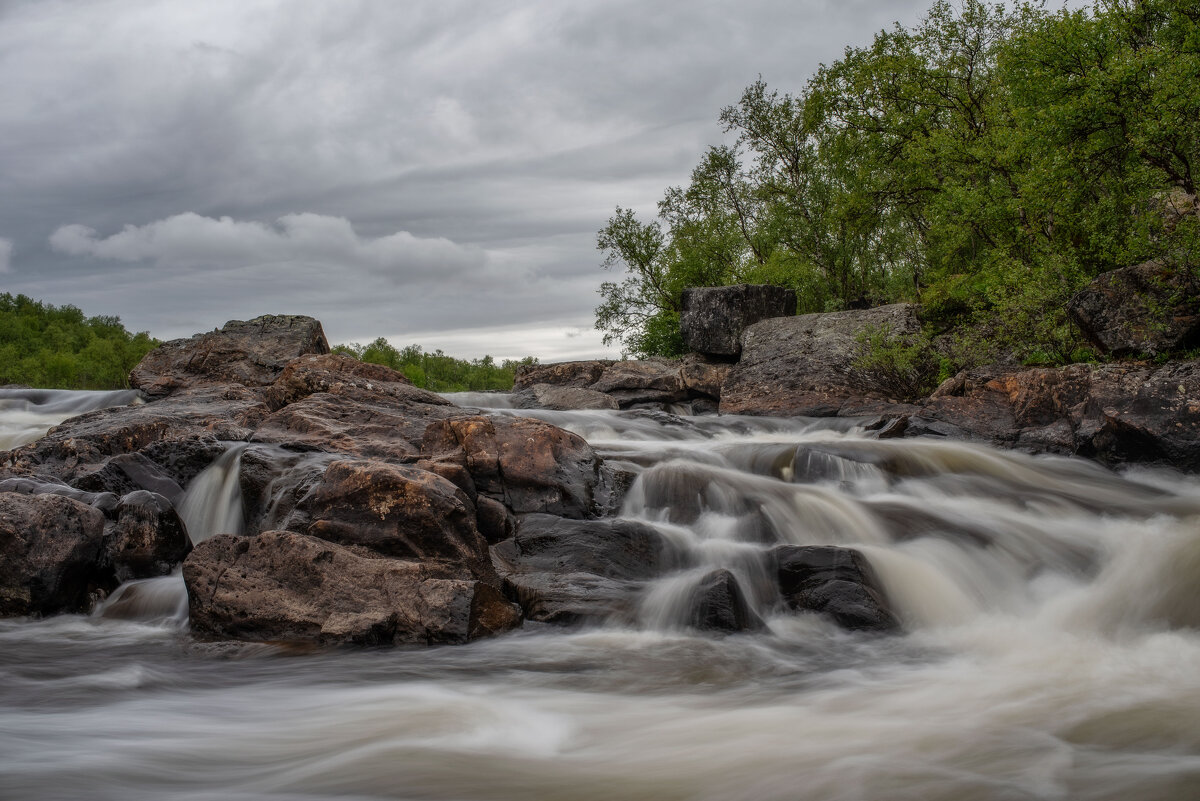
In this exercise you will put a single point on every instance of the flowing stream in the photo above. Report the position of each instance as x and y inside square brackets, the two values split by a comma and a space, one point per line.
[1050, 650]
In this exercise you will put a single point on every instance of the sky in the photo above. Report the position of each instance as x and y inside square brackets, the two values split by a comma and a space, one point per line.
[430, 172]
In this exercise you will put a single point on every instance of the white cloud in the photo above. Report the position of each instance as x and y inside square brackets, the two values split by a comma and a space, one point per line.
[6, 251]
[191, 240]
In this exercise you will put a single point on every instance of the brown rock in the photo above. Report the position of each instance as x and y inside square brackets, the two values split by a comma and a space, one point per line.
[702, 375]
[332, 372]
[50, 549]
[529, 465]
[395, 510]
[561, 374]
[252, 353]
[286, 586]
[655, 380]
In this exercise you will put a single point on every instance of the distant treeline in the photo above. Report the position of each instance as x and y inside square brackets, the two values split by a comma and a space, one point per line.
[436, 371]
[57, 347]
[987, 162]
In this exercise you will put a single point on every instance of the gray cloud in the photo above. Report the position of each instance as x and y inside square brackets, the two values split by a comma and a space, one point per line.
[413, 170]
[6, 252]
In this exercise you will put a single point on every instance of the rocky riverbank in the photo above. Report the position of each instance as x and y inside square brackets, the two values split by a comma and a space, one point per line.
[369, 511]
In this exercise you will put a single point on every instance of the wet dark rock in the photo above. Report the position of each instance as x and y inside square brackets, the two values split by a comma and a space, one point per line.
[713, 318]
[794, 366]
[106, 502]
[548, 396]
[838, 582]
[398, 511]
[130, 472]
[571, 571]
[718, 604]
[252, 353]
[1149, 308]
[148, 538]
[284, 586]
[493, 519]
[50, 549]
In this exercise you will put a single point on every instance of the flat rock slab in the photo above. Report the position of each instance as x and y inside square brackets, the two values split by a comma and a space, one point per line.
[283, 586]
[798, 366]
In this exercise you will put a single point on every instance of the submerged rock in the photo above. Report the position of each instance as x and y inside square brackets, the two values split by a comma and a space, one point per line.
[286, 586]
[838, 582]
[718, 604]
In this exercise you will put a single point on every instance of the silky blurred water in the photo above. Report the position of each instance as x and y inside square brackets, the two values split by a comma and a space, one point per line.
[1050, 651]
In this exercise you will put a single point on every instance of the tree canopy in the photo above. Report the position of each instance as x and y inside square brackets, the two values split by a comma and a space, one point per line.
[986, 162]
[56, 347]
[436, 371]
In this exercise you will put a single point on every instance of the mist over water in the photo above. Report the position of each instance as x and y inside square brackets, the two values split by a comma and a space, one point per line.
[1049, 651]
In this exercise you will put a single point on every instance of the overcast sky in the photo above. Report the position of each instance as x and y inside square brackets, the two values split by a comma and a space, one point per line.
[432, 172]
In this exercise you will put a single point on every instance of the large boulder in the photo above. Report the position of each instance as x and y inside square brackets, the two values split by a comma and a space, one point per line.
[796, 366]
[50, 549]
[252, 353]
[647, 381]
[284, 586]
[1149, 308]
[713, 318]
[397, 511]
[838, 582]
[529, 465]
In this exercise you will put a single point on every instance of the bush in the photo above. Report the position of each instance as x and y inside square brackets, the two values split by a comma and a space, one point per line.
[898, 369]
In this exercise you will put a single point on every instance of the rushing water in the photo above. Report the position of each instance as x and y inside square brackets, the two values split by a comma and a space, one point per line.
[1050, 651]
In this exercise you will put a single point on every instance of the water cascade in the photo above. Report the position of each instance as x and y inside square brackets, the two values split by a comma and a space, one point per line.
[1050, 632]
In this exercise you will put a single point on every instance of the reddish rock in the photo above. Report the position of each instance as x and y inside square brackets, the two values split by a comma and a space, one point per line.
[252, 353]
[529, 465]
[561, 374]
[395, 510]
[284, 586]
[333, 372]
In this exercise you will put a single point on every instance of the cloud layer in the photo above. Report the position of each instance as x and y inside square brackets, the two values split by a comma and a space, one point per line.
[397, 169]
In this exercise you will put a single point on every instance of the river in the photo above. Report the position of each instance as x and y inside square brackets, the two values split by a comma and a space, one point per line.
[1050, 650]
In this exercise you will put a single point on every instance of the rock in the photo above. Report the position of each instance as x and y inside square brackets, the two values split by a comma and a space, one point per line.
[83, 445]
[793, 366]
[148, 538]
[1114, 413]
[572, 571]
[548, 396]
[397, 511]
[326, 372]
[252, 353]
[655, 380]
[1149, 308]
[703, 376]
[838, 582]
[713, 318]
[561, 374]
[529, 465]
[106, 502]
[718, 604]
[50, 550]
[286, 586]
[131, 472]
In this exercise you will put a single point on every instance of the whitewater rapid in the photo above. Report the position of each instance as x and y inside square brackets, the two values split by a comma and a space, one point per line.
[1049, 651]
